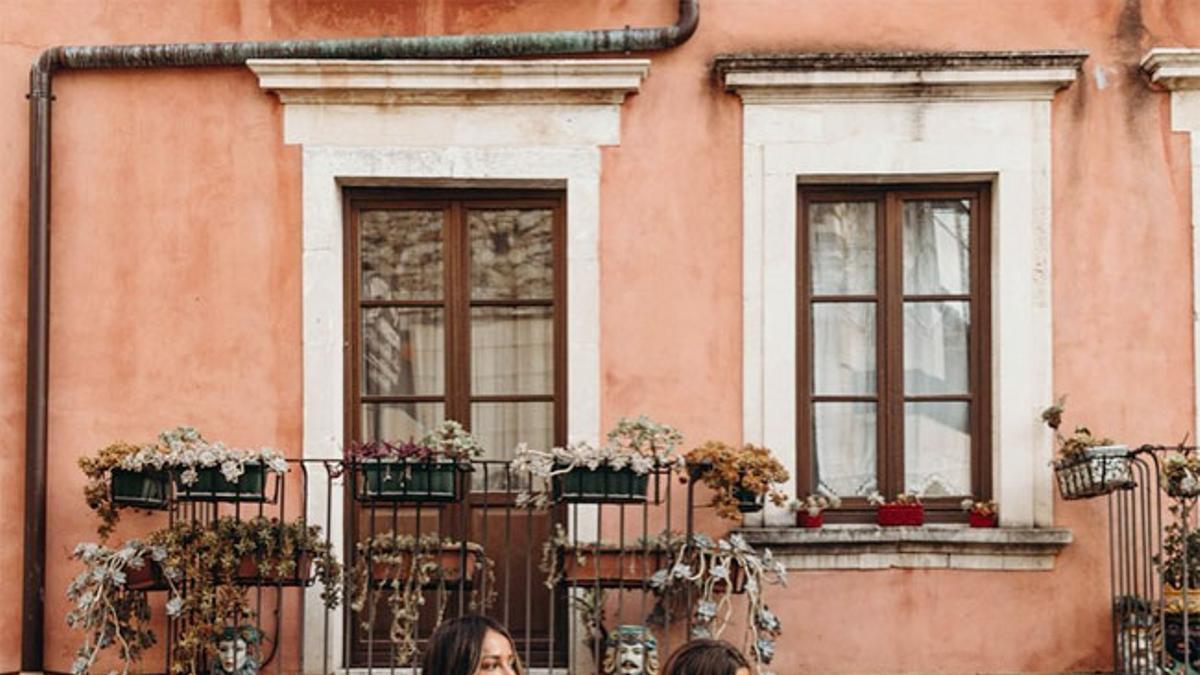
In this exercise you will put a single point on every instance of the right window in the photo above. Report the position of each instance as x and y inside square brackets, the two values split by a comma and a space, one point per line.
[893, 381]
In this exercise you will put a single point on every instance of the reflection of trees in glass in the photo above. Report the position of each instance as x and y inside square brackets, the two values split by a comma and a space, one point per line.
[512, 253]
[843, 247]
[401, 254]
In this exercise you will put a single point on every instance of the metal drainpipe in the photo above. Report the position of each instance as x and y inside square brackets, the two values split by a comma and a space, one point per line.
[180, 55]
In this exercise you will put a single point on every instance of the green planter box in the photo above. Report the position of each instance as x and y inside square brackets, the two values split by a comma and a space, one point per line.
[140, 489]
[401, 481]
[748, 500]
[211, 486]
[602, 485]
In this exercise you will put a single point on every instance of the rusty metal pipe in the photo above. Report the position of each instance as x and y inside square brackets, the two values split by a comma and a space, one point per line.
[183, 55]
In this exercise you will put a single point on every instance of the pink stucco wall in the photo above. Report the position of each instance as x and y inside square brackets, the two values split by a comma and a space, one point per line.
[176, 288]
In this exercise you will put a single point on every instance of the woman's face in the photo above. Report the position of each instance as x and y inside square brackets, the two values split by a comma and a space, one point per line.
[496, 655]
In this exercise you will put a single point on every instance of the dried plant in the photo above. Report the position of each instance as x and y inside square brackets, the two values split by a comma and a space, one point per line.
[985, 509]
[902, 499]
[814, 505]
[728, 470]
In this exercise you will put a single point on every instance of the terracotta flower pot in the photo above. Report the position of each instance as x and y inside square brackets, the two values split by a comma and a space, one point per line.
[610, 566]
[251, 573]
[148, 577]
[449, 561]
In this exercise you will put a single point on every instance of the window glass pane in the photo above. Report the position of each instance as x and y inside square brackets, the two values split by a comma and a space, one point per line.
[843, 348]
[844, 439]
[401, 254]
[935, 347]
[512, 350]
[512, 253]
[937, 448]
[501, 426]
[937, 246]
[399, 421]
[403, 351]
[842, 241]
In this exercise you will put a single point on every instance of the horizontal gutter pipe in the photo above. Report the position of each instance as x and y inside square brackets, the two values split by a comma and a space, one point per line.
[198, 54]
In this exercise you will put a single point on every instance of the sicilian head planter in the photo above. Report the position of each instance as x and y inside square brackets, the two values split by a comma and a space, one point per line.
[740, 477]
[616, 472]
[1087, 466]
[810, 511]
[905, 510]
[401, 570]
[428, 470]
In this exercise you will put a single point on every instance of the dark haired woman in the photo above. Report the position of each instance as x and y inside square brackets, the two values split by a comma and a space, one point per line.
[707, 657]
[471, 645]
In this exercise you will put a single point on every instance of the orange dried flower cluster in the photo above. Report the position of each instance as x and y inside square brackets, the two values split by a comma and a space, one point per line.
[728, 469]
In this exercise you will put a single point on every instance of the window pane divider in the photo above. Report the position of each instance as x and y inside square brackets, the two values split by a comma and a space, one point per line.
[494, 302]
[937, 297]
[843, 298]
[513, 398]
[372, 304]
[406, 398]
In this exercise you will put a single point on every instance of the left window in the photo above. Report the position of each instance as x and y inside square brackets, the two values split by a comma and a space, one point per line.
[455, 311]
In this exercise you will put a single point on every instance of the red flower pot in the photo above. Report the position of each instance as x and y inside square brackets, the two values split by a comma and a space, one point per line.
[891, 515]
[979, 520]
[807, 521]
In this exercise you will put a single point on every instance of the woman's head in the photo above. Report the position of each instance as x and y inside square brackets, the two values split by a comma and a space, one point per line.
[471, 645]
[707, 657]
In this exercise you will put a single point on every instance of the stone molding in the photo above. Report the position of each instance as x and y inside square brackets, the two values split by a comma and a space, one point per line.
[929, 547]
[451, 82]
[1173, 67]
[908, 75]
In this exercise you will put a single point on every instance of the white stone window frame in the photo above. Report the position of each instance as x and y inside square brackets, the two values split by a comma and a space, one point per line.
[494, 123]
[1178, 71]
[900, 118]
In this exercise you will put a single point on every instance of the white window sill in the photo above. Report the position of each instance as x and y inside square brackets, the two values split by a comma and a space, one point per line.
[870, 547]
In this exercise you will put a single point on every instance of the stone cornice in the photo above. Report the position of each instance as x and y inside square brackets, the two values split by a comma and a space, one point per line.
[452, 82]
[768, 78]
[1174, 68]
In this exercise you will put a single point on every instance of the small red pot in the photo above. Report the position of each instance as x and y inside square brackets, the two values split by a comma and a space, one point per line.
[805, 520]
[978, 520]
[892, 515]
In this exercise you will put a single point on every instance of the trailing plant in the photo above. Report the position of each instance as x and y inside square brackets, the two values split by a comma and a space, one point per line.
[105, 608]
[404, 566]
[639, 444]
[706, 571]
[182, 450]
[1181, 473]
[729, 470]
[815, 504]
[1179, 560]
[210, 557]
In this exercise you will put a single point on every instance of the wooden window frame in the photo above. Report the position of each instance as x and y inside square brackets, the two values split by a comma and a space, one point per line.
[889, 299]
[456, 396]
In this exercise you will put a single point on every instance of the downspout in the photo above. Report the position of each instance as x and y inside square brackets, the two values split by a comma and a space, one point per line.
[181, 55]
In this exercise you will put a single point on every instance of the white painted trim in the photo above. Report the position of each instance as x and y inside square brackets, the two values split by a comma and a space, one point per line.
[808, 129]
[473, 133]
[1178, 70]
[338, 82]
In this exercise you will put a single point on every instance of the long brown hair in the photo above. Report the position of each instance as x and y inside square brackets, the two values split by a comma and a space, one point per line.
[456, 645]
[706, 657]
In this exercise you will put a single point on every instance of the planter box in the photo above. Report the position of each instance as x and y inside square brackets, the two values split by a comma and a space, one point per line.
[976, 520]
[249, 572]
[141, 489]
[602, 485]
[401, 481]
[148, 577]
[892, 515]
[1099, 471]
[211, 486]
[811, 522]
[748, 500]
[610, 567]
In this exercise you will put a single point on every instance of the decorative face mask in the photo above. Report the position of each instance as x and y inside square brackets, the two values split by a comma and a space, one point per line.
[631, 650]
[235, 651]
